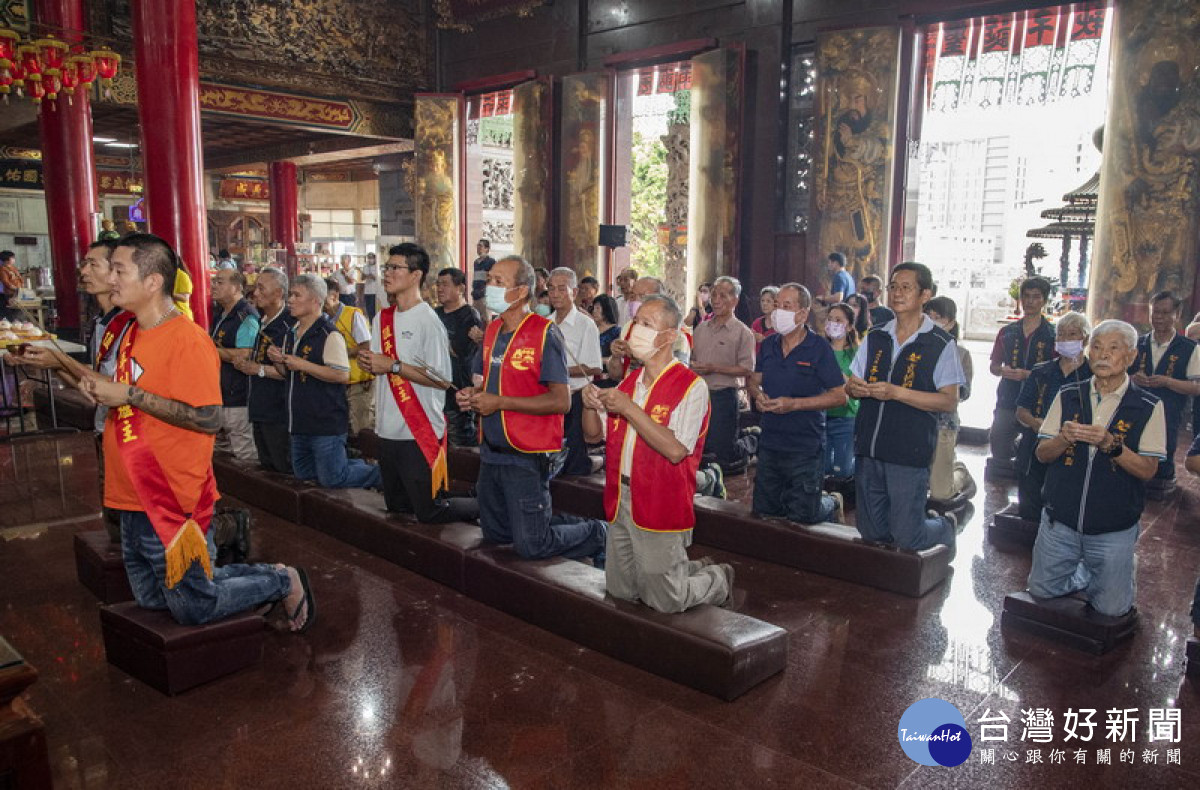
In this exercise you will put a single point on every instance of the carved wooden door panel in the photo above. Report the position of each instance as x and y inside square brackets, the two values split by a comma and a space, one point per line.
[583, 174]
[533, 158]
[437, 178]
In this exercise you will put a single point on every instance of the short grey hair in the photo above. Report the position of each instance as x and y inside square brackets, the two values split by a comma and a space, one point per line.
[1075, 320]
[732, 282]
[1125, 330]
[659, 286]
[572, 278]
[525, 275]
[673, 313]
[314, 284]
[773, 290]
[278, 275]
[802, 293]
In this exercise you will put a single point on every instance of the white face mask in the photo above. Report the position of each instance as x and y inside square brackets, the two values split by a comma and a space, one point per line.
[783, 320]
[641, 342]
[494, 296]
[1071, 349]
[835, 329]
[543, 310]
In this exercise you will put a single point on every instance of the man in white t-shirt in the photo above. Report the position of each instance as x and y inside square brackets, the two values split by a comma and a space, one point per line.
[347, 279]
[581, 339]
[373, 293]
[410, 353]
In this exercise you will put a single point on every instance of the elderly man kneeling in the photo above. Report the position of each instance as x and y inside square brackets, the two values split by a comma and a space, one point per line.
[1102, 440]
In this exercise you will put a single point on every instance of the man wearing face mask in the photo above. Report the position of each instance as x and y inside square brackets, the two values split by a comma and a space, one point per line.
[523, 358]
[1037, 393]
[905, 374]
[621, 361]
[796, 379]
[871, 287]
[657, 418]
[723, 353]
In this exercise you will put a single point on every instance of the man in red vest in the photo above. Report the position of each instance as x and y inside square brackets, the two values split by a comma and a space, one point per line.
[522, 395]
[657, 420]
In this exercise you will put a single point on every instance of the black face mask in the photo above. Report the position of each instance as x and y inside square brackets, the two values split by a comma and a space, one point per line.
[868, 295]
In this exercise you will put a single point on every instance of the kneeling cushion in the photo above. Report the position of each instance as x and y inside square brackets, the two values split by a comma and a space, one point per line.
[152, 647]
[100, 566]
[1068, 621]
[715, 650]
[1007, 527]
[275, 493]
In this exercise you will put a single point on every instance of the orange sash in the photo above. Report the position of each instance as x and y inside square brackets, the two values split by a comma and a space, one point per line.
[112, 330]
[182, 535]
[411, 409]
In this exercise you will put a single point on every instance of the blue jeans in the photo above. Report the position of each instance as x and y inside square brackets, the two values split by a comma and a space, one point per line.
[839, 446]
[323, 459]
[514, 507]
[1102, 567]
[891, 505]
[196, 599]
[788, 485]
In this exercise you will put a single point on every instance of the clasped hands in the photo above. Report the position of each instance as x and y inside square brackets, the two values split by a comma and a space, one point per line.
[879, 390]
[289, 361]
[771, 405]
[1156, 381]
[1095, 435]
[477, 400]
[610, 399]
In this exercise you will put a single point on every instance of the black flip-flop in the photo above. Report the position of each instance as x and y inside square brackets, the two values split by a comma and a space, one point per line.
[308, 599]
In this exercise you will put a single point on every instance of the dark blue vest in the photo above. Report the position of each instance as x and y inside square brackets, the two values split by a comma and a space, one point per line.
[234, 386]
[889, 430]
[315, 407]
[1173, 364]
[1044, 382]
[1091, 493]
[268, 397]
[1012, 343]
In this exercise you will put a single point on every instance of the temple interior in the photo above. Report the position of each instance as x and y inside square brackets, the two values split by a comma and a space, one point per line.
[997, 142]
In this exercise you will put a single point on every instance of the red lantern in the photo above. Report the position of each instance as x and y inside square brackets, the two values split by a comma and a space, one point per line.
[84, 69]
[108, 63]
[6, 82]
[70, 81]
[53, 52]
[52, 83]
[34, 88]
[27, 56]
[8, 47]
[18, 76]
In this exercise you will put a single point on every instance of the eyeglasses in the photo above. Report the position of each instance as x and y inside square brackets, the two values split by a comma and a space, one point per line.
[394, 267]
[901, 288]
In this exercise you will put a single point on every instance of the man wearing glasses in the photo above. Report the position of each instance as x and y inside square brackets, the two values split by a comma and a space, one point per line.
[234, 331]
[905, 373]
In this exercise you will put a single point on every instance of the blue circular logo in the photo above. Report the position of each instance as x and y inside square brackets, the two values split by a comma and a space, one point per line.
[933, 732]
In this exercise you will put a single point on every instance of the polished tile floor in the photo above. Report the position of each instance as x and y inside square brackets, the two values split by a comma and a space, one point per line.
[404, 683]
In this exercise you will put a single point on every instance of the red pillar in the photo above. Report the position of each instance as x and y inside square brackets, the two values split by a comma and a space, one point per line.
[68, 171]
[284, 200]
[168, 80]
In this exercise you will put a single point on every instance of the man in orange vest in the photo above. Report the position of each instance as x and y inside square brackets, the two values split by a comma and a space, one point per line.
[521, 395]
[657, 420]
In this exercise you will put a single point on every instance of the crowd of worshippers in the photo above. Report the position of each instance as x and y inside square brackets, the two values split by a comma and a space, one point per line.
[549, 376]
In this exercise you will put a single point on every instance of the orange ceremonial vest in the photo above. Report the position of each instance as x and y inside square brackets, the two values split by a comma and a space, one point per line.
[520, 377]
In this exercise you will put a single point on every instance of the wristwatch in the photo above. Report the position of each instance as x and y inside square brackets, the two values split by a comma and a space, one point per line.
[1118, 445]
[396, 367]
[262, 372]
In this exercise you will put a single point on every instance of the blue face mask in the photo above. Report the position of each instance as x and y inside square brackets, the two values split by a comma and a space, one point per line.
[543, 310]
[494, 297]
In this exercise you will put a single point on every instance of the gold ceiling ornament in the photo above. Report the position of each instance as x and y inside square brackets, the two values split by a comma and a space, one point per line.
[462, 15]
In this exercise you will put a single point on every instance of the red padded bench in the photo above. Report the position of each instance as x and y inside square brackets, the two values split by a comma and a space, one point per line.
[1067, 621]
[715, 650]
[100, 566]
[152, 647]
[277, 494]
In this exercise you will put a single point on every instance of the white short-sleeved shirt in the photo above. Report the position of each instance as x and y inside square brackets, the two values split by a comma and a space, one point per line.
[685, 421]
[345, 280]
[419, 335]
[949, 368]
[1154, 436]
[1157, 350]
[581, 339]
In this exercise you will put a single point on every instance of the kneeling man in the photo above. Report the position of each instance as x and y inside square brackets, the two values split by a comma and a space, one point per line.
[657, 421]
[1102, 439]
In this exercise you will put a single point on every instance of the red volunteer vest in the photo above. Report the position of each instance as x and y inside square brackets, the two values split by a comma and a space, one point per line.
[520, 375]
[660, 492]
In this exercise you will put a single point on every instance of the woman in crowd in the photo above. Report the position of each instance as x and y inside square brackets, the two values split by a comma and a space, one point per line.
[701, 309]
[604, 313]
[839, 423]
[948, 476]
[862, 313]
[761, 327]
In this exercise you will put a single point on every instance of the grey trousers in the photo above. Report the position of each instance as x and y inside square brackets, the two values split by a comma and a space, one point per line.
[237, 435]
[653, 567]
[1003, 436]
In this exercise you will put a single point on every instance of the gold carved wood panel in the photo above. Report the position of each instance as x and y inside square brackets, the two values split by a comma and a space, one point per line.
[437, 191]
[585, 108]
[532, 163]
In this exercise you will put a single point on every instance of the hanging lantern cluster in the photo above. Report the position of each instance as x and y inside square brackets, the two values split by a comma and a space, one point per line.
[48, 69]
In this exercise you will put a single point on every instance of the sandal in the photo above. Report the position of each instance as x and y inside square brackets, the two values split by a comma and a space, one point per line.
[309, 600]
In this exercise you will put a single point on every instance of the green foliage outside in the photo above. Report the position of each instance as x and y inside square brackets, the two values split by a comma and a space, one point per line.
[649, 191]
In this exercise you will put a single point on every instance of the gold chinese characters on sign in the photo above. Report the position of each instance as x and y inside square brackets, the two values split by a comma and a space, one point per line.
[853, 150]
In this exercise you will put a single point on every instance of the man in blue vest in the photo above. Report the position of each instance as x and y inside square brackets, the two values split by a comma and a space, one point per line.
[1019, 347]
[1168, 367]
[1102, 440]
[268, 389]
[314, 361]
[234, 329]
[905, 373]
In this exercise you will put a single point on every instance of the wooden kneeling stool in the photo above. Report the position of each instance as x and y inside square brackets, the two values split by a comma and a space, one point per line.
[152, 647]
[1007, 527]
[100, 566]
[1067, 621]
[998, 472]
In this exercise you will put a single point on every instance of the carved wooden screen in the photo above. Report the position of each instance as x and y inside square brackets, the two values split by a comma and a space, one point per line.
[582, 182]
[436, 187]
[854, 147]
[532, 162]
[715, 150]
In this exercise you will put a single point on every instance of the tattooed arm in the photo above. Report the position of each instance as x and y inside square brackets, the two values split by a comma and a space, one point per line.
[201, 419]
